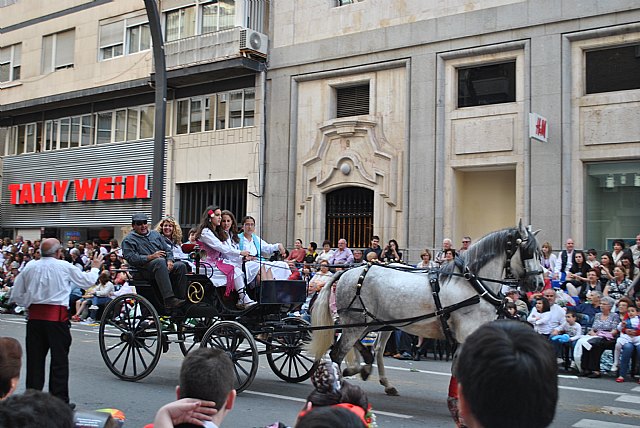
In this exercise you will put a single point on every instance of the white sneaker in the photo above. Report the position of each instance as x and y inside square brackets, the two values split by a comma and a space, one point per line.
[93, 307]
[614, 368]
[88, 321]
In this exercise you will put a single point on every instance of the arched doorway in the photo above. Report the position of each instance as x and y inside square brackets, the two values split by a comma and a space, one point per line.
[349, 215]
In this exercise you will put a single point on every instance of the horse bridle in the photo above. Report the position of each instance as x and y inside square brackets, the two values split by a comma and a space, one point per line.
[527, 256]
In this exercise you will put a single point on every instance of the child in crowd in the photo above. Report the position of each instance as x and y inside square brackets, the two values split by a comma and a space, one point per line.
[568, 332]
[511, 311]
[630, 320]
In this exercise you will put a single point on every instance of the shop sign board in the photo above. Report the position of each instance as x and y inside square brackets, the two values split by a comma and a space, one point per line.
[86, 189]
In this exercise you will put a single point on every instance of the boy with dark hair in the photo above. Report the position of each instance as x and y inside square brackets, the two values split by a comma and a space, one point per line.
[311, 255]
[35, 409]
[207, 375]
[506, 365]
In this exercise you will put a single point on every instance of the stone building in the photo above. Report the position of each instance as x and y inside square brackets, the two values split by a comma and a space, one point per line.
[411, 120]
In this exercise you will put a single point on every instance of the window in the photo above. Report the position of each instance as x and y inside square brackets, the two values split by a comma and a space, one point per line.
[487, 84]
[124, 37]
[180, 23]
[10, 63]
[349, 215]
[613, 69]
[111, 40]
[25, 138]
[233, 109]
[195, 197]
[57, 51]
[352, 100]
[611, 187]
[138, 38]
[218, 15]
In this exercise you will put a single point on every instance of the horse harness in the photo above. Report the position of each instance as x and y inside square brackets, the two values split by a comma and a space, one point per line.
[442, 313]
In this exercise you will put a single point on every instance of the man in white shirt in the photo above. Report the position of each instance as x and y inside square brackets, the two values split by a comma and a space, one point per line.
[557, 313]
[565, 260]
[44, 287]
[446, 245]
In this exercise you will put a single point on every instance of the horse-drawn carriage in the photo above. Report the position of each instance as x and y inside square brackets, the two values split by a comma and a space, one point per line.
[136, 329]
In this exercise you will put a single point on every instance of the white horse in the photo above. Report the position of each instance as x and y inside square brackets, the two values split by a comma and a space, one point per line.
[469, 288]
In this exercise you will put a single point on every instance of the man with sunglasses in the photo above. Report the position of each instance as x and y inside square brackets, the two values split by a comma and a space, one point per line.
[150, 253]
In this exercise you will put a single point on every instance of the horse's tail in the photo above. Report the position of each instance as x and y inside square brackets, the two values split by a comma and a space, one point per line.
[321, 316]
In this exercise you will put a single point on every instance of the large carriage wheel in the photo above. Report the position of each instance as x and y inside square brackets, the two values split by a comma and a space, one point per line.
[238, 343]
[285, 351]
[130, 337]
[191, 330]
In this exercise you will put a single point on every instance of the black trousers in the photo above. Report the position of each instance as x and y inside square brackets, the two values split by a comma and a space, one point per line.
[42, 337]
[166, 281]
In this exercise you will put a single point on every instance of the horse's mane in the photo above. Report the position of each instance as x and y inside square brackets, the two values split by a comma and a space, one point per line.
[493, 245]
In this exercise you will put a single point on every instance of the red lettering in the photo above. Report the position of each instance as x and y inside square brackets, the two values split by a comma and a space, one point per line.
[14, 189]
[48, 192]
[142, 189]
[541, 127]
[118, 188]
[61, 188]
[26, 194]
[105, 189]
[86, 189]
[129, 188]
[37, 193]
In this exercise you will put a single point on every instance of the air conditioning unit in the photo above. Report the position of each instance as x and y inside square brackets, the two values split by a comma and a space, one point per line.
[253, 42]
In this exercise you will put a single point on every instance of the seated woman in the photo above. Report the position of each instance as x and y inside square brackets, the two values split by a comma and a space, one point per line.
[540, 317]
[391, 253]
[220, 249]
[602, 335]
[257, 247]
[102, 294]
[619, 285]
[172, 233]
[326, 252]
[426, 262]
[577, 274]
[298, 252]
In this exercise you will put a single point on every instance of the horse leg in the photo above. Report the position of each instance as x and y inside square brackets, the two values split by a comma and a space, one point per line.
[389, 389]
[347, 341]
[367, 356]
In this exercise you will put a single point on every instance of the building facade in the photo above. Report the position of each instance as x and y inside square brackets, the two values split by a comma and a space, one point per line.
[412, 120]
[77, 112]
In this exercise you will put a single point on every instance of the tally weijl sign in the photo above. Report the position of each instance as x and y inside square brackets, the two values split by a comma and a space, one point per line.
[86, 189]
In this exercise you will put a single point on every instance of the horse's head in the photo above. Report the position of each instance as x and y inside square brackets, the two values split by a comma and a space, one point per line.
[526, 259]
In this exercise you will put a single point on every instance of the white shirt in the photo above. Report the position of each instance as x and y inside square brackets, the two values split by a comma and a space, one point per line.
[49, 281]
[557, 316]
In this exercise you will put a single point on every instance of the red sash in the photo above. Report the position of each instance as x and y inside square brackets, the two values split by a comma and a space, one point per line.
[54, 313]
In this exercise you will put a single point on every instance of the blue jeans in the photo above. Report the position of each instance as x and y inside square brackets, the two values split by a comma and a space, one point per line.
[95, 300]
[625, 357]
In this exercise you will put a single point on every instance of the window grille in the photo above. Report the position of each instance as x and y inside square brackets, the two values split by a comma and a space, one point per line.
[349, 215]
[195, 197]
[352, 100]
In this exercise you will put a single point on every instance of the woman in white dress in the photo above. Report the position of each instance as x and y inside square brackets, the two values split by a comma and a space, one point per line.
[257, 247]
[223, 259]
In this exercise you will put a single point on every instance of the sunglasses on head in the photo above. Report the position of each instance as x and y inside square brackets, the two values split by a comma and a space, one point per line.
[140, 223]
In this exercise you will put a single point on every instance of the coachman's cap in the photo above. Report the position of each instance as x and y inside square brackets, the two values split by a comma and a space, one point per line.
[139, 217]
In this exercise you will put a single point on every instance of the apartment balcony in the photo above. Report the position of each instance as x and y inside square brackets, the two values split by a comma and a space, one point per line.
[214, 47]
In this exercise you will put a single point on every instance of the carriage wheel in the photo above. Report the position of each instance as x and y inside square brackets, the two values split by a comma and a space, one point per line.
[285, 351]
[130, 337]
[191, 331]
[238, 343]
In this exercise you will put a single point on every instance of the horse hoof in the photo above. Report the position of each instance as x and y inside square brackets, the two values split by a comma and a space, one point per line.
[349, 372]
[391, 390]
[364, 374]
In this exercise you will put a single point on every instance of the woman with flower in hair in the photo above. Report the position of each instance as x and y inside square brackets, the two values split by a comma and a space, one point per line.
[220, 248]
